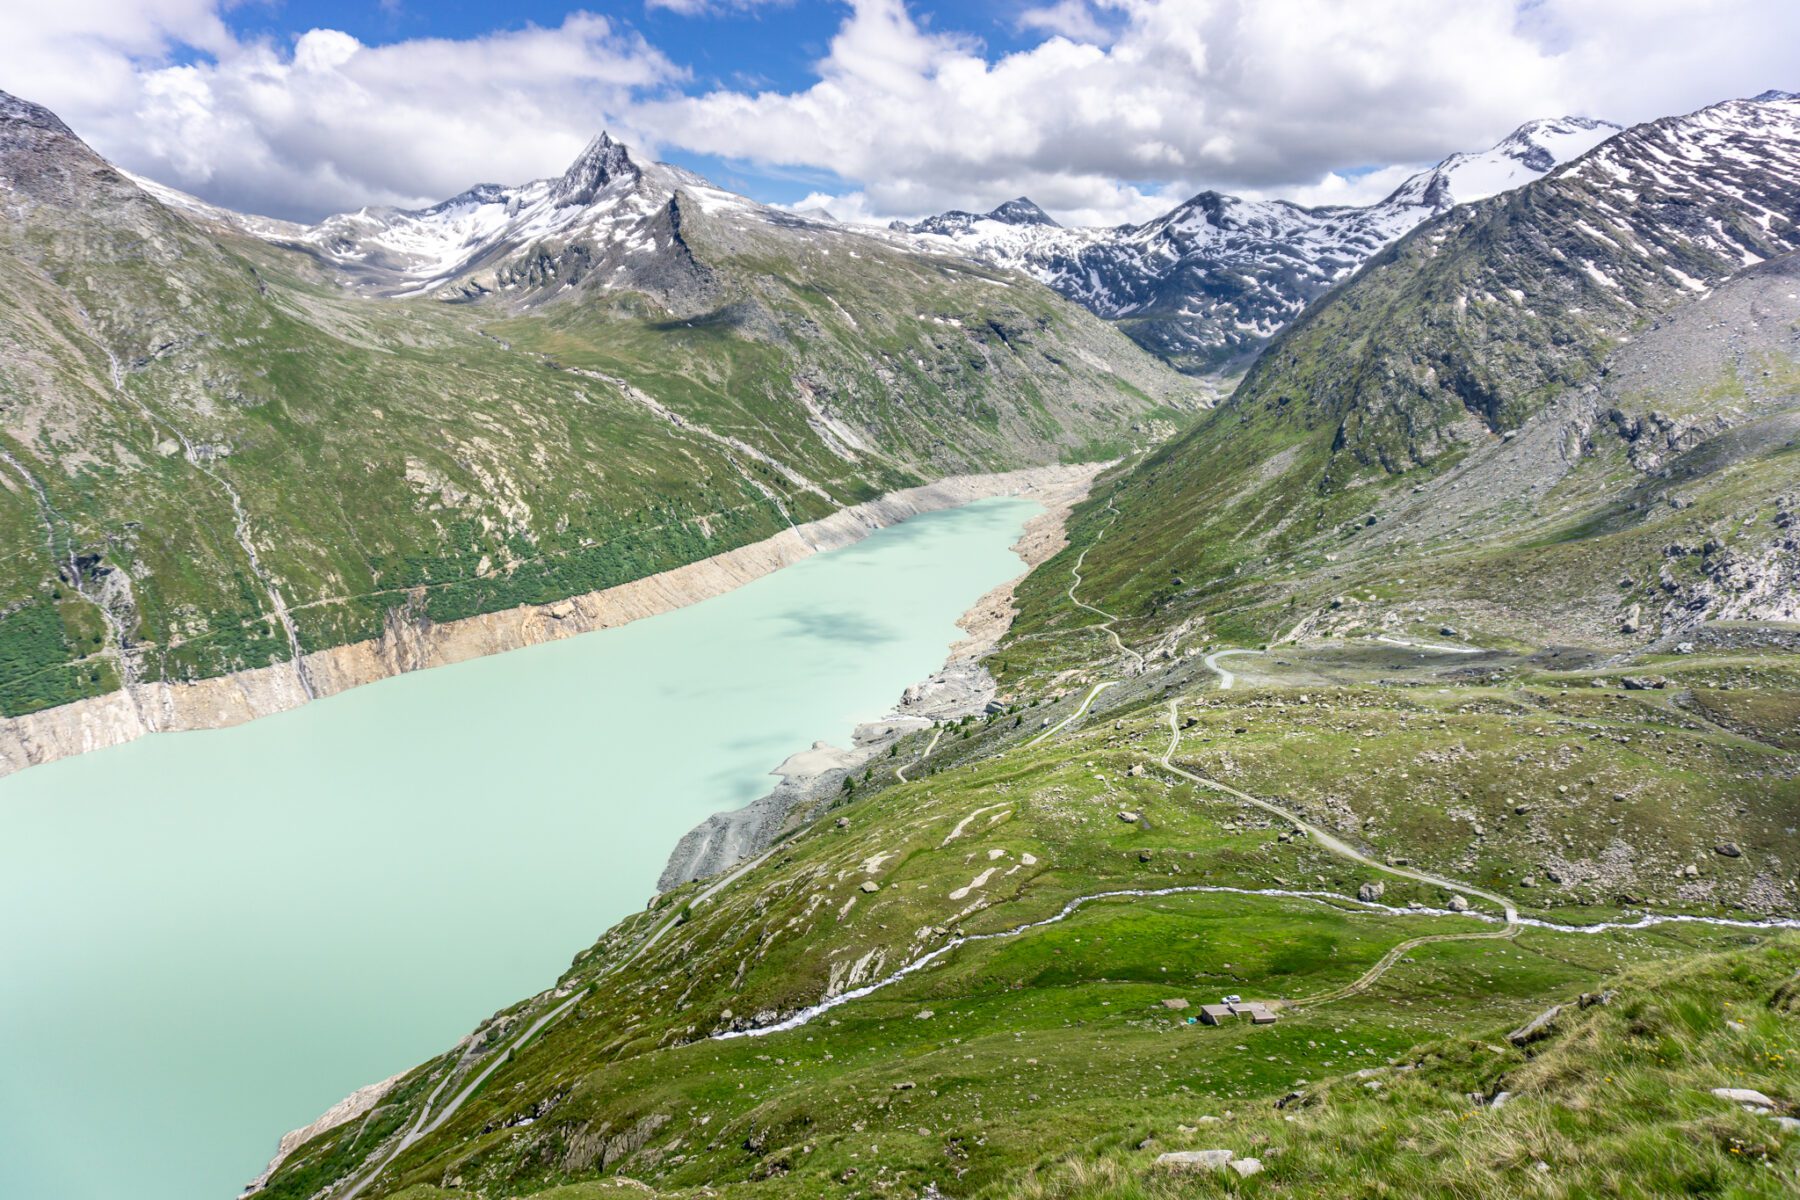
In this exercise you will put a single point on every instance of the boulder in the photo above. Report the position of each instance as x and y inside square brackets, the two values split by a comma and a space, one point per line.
[1186, 1161]
[1728, 850]
[869, 885]
[1176, 1005]
[1369, 893]
[1744, 1096]
[1458, 904]
[1536, 1029]
[1130, 818]
[1246, 1167]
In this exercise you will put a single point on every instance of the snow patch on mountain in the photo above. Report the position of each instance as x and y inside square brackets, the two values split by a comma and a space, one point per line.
[1206, 284]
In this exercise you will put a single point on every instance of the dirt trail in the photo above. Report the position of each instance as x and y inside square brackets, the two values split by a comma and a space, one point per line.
[900, 771]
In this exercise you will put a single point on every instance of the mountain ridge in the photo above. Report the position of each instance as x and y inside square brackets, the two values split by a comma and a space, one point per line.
[1206, 284]
[605, 390]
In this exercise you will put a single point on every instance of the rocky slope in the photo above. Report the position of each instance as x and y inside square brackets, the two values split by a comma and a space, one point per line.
[1499, 826]
[1207, 284]
[228, 443]
[1492, 407]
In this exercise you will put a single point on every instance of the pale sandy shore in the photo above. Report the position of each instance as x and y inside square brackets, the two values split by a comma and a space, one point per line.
[418, 644]
[962, 686]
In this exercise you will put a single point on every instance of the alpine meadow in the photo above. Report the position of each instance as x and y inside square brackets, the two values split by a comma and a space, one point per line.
[1372, 771]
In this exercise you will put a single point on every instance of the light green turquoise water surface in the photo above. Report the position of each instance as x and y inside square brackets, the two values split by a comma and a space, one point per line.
[208, 938]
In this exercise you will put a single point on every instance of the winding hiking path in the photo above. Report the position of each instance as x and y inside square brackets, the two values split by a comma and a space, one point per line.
[1106, 624]
[1226, 678]
[1320, 836]
[1343, 849]
[1074, 583]
[900, 771]
[1079, 709]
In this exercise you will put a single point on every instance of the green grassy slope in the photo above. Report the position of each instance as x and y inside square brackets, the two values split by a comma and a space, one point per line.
[177, 398]
[1503, 423]
[1023, 1061]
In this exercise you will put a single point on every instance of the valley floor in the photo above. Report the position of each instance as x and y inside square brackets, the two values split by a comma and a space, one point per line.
[978, 976]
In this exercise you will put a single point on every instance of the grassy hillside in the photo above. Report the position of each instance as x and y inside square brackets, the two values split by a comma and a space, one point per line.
[1541, 416]
[1035, 1060]
[216, 455]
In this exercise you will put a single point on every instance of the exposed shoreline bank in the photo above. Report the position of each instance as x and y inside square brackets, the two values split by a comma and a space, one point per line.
[961, 687]
[405, 646]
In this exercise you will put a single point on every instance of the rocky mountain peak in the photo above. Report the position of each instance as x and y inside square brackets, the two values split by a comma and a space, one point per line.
[1536, 143]
[1021, 211]
[1773, 95]
[23, 114]
[604, 161]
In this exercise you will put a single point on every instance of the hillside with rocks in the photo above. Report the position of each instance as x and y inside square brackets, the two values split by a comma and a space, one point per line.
[1389, 790]
[1493, 409]
[1207, 284]
[227, 442]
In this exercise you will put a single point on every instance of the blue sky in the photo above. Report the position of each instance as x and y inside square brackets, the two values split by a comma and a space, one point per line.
[754, 48]
[1100, 110]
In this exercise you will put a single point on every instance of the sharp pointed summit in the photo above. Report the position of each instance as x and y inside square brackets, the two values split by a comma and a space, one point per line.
[604, 161]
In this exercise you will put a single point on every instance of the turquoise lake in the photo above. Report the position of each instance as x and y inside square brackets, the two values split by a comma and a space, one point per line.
[208, 938]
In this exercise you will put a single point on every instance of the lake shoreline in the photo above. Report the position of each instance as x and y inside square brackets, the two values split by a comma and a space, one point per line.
[960, 687]
[416, 644]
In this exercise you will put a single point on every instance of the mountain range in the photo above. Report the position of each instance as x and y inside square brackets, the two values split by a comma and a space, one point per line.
[1489, 812]
[1388, 789]
[231, 443]
[1207, 284]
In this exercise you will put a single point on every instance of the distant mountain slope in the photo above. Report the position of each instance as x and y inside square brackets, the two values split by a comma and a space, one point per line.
[1491, 409]
[226, 441]
[1207, 284]
[1513, 513]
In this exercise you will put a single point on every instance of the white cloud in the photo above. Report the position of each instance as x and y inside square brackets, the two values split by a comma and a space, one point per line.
[1123, 107]
[850, 207]
[1272, 96]
[697, 8]
[330, 123]
[1335, 187]
[1071, 18]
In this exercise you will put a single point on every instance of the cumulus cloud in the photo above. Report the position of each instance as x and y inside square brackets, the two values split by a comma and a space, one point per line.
[1116, 110]
[1070, 18]
[1259, 95]
[328, 123]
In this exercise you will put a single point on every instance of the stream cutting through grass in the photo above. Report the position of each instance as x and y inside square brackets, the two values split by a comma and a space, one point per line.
[208, 938]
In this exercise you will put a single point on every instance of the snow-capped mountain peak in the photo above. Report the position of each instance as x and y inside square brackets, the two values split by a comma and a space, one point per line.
[603, 163]
[1019, 212]
[1529, 151]
[510, 236]
[1207, 283]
